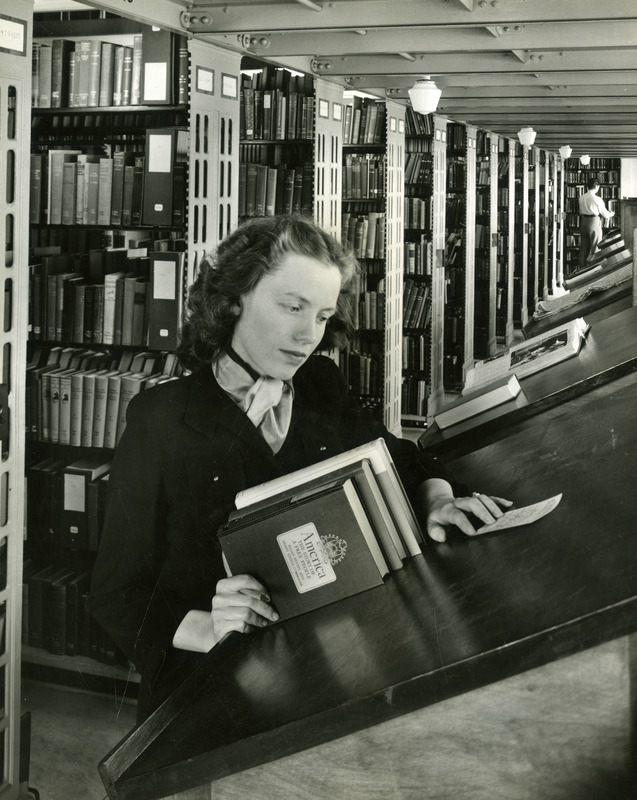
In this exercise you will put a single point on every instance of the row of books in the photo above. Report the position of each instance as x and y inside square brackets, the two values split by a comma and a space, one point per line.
[364, 176]
[364, 121]
[413, 396]
[483, 204]
[80, 397]
[418, 168]
[456, 174]
[483, 173]
[455, 208]
[137, 302]
[573, 191]
[365, 234]
[66, 505]
[276, 104]
[324, 533]
[84, 242]
[418, 256]
[418, 213]
[371, 311]
[363, 371]
[416, 352]
[54, 615]
[71, 187]
[269, 190]
[417, 124]
[275, 154]
[453, 248]
[456, 137]
[93, 73]
[416, 304]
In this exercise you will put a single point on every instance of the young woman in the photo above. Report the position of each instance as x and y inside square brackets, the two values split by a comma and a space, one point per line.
[258, 403]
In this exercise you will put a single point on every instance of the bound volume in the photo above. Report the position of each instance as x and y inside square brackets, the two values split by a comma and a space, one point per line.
[309, 551]
[326, 532]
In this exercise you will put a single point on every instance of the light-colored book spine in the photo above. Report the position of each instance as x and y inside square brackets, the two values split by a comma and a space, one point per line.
[110, 292]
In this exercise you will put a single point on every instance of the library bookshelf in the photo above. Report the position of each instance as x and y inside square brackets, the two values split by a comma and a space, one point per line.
[175, 146]
[15, 105]
[608, 172]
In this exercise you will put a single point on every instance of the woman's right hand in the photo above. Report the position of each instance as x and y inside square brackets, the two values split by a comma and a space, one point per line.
[241, 603]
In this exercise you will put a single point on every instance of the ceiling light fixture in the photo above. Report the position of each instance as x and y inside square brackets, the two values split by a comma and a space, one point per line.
[565, 151]
[526, 136]
[424, 95]
[585, 160]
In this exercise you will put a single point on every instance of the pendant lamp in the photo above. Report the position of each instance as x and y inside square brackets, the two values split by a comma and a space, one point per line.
[424, 95]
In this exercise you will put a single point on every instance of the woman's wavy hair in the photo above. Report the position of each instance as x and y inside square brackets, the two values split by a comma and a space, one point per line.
[253, 250]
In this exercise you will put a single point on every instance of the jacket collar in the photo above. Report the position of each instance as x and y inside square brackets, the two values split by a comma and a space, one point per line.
[209, 408]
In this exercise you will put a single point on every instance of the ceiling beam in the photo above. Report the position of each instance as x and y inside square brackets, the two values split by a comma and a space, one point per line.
[418, 39]
[228, 17]
[448, 64]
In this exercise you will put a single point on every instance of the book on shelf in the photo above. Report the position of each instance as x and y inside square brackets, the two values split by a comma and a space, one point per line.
[74, 517]
[54, 611]
[308, 551]
[384, 469]
[530, 356]
[164, 299]
[489, 396]
[106, 74]
[44, 75]
[164, 146]
[157, 67]
[60, 54]
[55, 182]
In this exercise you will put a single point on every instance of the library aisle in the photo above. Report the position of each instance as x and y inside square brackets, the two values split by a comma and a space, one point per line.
[559, 732]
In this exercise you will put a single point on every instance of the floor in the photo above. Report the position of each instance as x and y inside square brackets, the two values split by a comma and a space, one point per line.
[560, 732]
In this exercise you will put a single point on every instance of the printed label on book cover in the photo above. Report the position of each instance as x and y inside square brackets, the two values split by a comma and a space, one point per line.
[310, 557]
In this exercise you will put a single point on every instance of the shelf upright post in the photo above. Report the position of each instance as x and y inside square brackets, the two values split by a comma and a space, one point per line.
[15, 128]
[553, 210]
[534, 225]
[524, 277]
[436, 398]
[394, 268]
[213, 185]
[561, 216]
[510, 262]
[328, 155]
[494, 146]
[547, 223]
[470, 250]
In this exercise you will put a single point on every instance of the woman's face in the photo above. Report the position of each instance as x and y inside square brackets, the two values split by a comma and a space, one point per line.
[283, 318]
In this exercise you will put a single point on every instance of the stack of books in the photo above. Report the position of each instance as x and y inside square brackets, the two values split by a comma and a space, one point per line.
[323, 533]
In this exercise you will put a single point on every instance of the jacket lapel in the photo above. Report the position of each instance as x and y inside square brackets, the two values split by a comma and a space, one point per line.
[210, 408]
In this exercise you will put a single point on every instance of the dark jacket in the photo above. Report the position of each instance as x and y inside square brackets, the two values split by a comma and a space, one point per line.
[185, 453]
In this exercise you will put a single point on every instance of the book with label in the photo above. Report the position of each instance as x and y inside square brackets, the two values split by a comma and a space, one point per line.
[361, 472]
[74, 518]
[164, 310]
[309, 552]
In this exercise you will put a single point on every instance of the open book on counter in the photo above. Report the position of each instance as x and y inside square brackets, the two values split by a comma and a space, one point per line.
[530, 356]
[328, 531]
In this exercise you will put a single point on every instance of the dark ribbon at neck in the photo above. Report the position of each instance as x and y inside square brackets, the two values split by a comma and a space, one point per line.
[238, 360]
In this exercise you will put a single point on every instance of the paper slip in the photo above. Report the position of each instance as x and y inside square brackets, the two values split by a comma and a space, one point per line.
[522, 516]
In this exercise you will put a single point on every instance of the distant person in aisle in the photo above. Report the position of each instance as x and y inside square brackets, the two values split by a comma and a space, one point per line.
[592, 210]
[258, 402]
